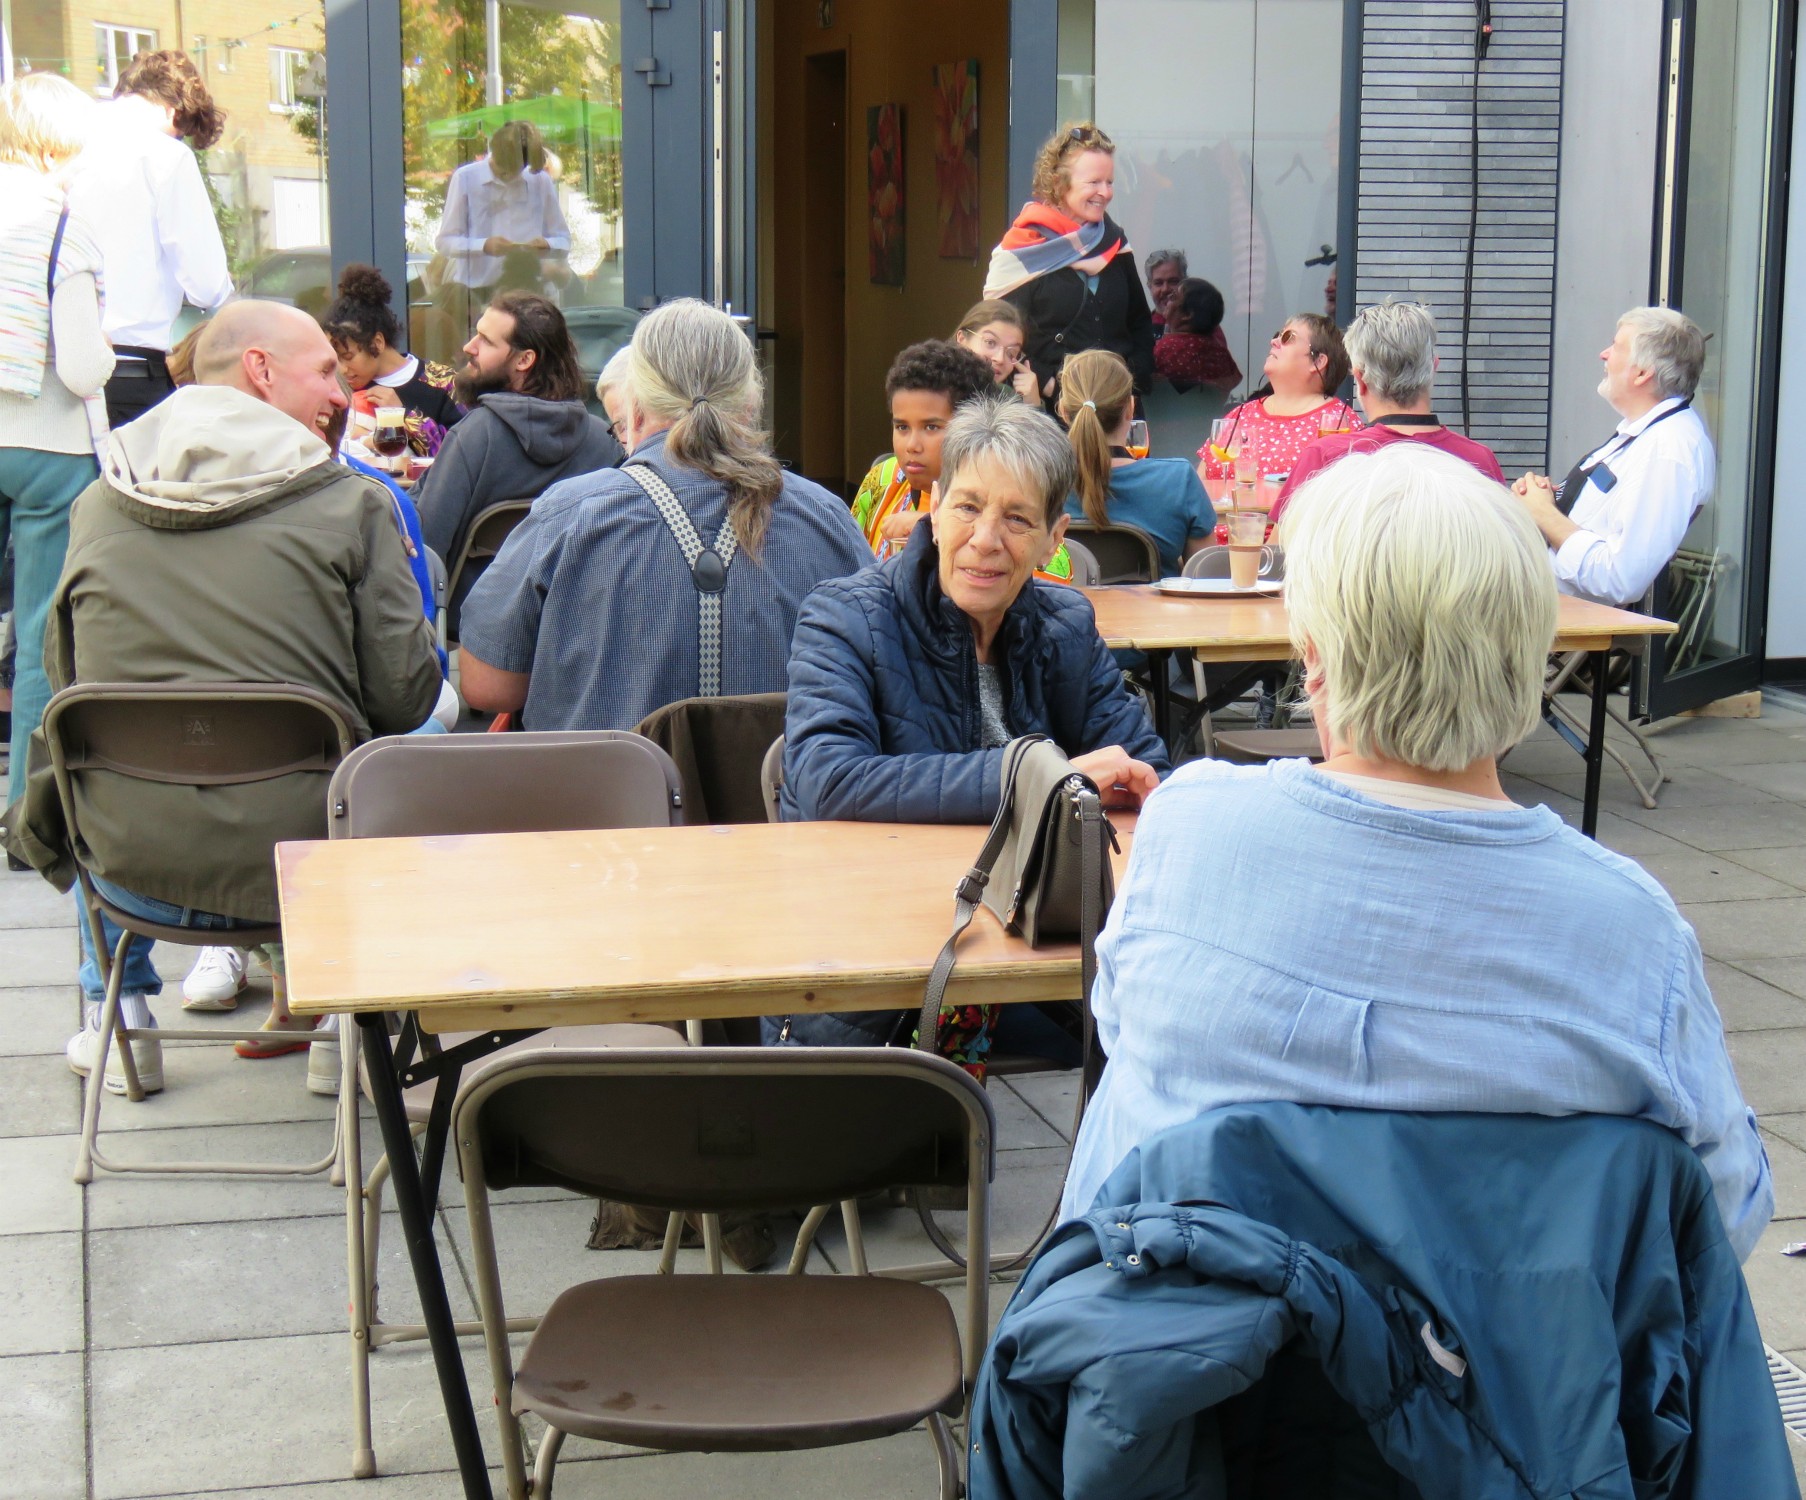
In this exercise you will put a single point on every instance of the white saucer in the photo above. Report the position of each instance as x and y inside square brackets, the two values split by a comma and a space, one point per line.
[1218, 588]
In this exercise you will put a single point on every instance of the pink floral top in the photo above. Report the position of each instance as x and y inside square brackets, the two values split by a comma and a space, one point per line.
[1279, 440]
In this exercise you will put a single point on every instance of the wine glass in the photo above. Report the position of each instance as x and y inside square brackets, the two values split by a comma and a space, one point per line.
[391, 436]
[1138, 439]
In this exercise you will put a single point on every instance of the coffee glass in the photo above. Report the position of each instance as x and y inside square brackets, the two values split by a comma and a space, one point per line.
[1249, 557]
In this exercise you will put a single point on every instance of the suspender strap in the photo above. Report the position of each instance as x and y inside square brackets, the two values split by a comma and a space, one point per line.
[708, 571]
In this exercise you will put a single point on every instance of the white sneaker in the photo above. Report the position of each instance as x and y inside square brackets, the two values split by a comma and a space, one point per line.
[215, 980]
[323, 1062]
[147, 1054]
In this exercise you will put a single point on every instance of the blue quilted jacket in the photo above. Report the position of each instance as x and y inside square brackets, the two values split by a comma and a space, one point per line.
[883, 719]
[1490, 1307]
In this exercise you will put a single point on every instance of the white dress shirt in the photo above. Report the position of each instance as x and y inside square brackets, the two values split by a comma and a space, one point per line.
[478, 205]
[1627, 534]
[141, 191]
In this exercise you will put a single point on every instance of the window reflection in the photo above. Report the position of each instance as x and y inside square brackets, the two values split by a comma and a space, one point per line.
[513, 181]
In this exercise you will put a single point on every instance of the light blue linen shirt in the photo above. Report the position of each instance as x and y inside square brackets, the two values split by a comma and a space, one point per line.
[1279, 936]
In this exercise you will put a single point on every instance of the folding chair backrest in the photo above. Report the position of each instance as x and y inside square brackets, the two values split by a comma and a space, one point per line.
[771, 778]
[1213, 562]
[1126, 554]
[1086, 574]
[195, 734]
[482, 541]
[416, 785]
[719, 745]
[723, 1128]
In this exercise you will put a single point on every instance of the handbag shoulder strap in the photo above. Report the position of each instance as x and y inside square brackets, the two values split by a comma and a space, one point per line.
[56, 252]
[708, 570]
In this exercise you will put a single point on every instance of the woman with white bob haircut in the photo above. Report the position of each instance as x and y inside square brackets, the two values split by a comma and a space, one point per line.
[1389, 930]
[678, 575]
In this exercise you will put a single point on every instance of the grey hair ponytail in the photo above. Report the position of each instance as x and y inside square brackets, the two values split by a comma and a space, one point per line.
[691, 366]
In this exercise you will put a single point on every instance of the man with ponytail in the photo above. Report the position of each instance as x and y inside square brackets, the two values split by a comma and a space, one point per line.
[676, 576]
[1161, 496]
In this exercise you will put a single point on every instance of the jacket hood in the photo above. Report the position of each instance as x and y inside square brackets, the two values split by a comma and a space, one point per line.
[548, 431]
[205, 453]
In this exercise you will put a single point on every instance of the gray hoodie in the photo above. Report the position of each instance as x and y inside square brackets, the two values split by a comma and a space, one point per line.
[511, 447]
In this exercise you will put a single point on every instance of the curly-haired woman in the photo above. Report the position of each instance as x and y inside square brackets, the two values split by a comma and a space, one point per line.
[365, 331]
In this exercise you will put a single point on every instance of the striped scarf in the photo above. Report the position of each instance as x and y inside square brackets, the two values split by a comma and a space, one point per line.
[1044, 239]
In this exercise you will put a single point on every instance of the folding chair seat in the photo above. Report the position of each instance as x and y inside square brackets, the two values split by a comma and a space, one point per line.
[407, 785]
[188, 735]
[733, 1364]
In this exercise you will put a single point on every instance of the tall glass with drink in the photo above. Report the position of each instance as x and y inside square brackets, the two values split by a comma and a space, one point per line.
[1138, 439]
[1249, 556]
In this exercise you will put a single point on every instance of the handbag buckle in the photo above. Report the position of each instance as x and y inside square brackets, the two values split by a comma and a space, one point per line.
[971, 887]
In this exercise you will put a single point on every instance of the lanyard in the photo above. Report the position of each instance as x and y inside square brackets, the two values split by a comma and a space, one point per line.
[1407, 419]
[1598, 472]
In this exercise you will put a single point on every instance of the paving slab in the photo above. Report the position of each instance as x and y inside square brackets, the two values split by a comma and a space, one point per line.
[1771, 1066]
[1762, 825]
[1696, 877]
[1747, 1003]
[28, 900]
[42, 1428]
[1783, 779]
[1729, 742]
[1019, 1123]
[41, 1196]
[1738, 930]
[1787, 1168]
[197, 1283]
[1690, 786]
[36, 1020]
[1783, 973]
[1053, 1096]
[1785, 863]
[38, 955]
[120, 1202]
[36, 1097]
[1777, 1286]
[169, 1417]
[41, 1294]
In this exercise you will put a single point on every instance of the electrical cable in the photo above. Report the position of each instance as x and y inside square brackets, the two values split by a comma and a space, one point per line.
[1482, 43]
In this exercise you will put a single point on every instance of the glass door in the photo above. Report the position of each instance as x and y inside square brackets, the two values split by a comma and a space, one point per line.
[1720, 194]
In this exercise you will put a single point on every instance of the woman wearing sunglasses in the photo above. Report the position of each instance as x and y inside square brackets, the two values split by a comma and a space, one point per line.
[1306, 364]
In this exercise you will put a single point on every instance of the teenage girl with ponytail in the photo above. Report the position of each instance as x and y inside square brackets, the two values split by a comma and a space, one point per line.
[1161, 496]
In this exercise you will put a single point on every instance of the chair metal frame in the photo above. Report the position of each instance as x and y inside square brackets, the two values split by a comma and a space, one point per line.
[61, 721]
[364, 1194]
[482, 541]
[835, 1063]
[1105, 541]
[1255, 744]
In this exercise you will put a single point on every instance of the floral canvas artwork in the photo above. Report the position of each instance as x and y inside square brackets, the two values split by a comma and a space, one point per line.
[884, 191]
[956, 157]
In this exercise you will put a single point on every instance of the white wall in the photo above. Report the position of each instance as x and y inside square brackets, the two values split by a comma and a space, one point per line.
[1787, 539]
[1611, 98]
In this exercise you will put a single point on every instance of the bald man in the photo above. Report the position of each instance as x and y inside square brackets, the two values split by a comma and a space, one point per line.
[223, 544]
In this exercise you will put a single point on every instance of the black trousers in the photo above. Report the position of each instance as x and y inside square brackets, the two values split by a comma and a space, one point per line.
[140, 381]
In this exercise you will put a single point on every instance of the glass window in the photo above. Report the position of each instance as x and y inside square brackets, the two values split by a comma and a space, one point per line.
[114, 47]
[288, 70]
[514, 178]
[1226, 116]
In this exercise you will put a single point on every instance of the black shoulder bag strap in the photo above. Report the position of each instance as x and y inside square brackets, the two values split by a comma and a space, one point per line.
[708, 571]
[56, 251]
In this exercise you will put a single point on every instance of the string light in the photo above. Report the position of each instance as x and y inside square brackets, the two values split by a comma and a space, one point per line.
[228, 43]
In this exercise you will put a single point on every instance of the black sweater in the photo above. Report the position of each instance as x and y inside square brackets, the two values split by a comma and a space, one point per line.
[1064, 316]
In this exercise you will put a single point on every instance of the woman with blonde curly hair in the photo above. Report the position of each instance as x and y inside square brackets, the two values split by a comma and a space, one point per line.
[1066, 264]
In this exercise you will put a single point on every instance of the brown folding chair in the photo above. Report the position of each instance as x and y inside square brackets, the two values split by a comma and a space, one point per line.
[1125, 554]
[771, 778]
[412, 785]
[1086, 571]
[178, 734]
[482, 541]
[710, 1363]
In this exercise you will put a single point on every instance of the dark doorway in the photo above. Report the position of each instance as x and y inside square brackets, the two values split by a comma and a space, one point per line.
[823, 215]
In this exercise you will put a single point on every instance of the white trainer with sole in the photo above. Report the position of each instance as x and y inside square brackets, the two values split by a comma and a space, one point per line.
[215, 980]
[148, 1055]
[323, 1059]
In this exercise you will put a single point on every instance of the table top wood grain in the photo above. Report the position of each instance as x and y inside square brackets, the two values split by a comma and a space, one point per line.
[1140, 617]
[656, 924]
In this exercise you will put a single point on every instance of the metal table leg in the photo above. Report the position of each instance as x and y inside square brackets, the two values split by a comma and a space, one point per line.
[1159, 664]
[1595, 756]
[429, 1275]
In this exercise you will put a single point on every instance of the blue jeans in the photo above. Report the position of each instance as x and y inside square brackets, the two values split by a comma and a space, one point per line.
[141, 977]
[36, 490]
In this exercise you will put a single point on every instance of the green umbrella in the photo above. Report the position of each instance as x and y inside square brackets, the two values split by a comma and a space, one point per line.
[558, 116]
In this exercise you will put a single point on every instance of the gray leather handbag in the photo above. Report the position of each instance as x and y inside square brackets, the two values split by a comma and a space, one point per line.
[1044, 871]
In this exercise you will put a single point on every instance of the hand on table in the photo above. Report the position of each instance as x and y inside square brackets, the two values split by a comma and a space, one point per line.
[497, 245]
[1123, 780]
[538, 243]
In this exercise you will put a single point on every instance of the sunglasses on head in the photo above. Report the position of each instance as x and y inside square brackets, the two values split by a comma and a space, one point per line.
[1090, 135]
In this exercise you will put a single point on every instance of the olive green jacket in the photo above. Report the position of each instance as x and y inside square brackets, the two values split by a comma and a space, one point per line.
[222, 544]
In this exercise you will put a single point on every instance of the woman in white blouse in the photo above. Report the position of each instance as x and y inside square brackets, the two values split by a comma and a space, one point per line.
[51, 415]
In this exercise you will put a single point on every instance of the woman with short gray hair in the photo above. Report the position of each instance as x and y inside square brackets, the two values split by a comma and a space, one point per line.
[679, 574]
[1389, 930]
[907, 680]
